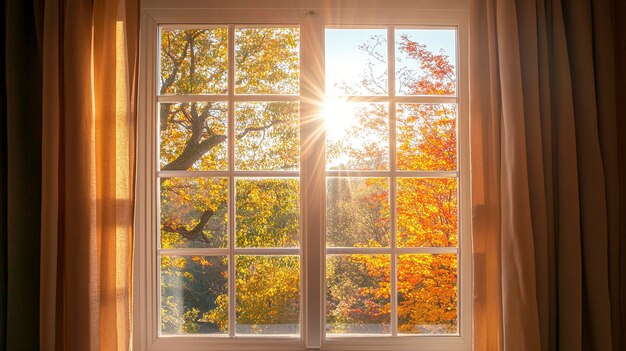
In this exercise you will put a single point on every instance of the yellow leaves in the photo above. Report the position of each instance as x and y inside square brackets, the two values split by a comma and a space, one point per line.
[179, 262]
[267, 60]
[194, 288]
[197, 121]
[218, 315]
[183, 202]
[268, 289]
[268, 212]
[194, 61]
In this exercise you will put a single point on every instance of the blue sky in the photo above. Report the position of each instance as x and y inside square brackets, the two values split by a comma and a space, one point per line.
[345, 62]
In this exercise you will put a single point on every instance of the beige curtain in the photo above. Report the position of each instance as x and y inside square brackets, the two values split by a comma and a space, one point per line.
[90, 67]
[546, 221]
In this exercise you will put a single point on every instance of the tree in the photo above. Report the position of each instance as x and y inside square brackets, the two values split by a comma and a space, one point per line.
[193, 136]
[426, 207]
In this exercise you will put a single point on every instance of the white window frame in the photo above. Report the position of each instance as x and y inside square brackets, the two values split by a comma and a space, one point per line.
[313, 18]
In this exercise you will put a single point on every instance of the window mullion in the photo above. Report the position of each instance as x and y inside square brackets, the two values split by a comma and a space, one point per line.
[313, 177]
[391, 81]
[231, 180]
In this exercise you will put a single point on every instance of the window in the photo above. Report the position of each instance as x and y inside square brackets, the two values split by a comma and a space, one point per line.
[303, 180]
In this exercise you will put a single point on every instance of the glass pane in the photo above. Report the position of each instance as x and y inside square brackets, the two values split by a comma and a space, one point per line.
[194, 212]
[268, 212]
[194, 295]
[357, 212]
[425, 61]
[268, 294]
[194, 61]
[357, 294]
[267, 60]
[193, 136]
[427, 212]
[357, 135]
[356, 62]
[427, 294]
[426, 137]
[267, 136]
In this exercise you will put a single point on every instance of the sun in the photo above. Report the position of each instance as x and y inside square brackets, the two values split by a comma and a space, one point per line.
[339, 117]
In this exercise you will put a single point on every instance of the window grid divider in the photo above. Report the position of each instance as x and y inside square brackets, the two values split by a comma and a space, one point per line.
[228, 173]
[251, 251]
[287, 251]
[389, 250]
[296, 174]
[391, 81]
[221, 97]
[231, 182]
[231, 173]
[406, 99]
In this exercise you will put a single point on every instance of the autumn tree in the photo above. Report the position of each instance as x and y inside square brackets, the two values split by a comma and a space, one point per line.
[193, 136]
[426, 207]
[194, 210]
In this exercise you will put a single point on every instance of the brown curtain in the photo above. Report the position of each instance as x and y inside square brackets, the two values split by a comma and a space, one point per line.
[546, 185]
[89, 80]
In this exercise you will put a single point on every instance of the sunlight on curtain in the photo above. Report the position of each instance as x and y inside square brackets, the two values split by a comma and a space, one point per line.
[88, 174]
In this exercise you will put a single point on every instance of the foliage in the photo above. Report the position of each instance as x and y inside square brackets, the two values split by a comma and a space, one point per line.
[426, 208]
[194, 211]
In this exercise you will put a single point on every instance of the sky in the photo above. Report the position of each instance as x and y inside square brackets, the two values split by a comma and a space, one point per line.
[345, 62]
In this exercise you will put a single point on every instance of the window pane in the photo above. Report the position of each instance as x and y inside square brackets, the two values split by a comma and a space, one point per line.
[193, 136]
[194, 294]
[267, 60]
[194, 61]
[268, 212]
[426, 137]
[427, 294]
[356, 62]
[268, 294]
[193, 212]
[425, 62]
[267, 136]
[357, 212]
[357, 294]
[357, 136]
[427, 212]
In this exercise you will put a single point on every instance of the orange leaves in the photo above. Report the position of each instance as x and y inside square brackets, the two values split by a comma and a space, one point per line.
[427, 293]
[201, 260]
[194, 210]
[427, 212]
[427, 209]
[427, 137]
[438, 74]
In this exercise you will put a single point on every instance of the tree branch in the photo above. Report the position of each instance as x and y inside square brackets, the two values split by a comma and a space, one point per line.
[259, 129]
[193, 151]
[197, 232]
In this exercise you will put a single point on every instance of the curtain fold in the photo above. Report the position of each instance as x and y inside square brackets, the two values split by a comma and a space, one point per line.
[89, 69]
[545, 183]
